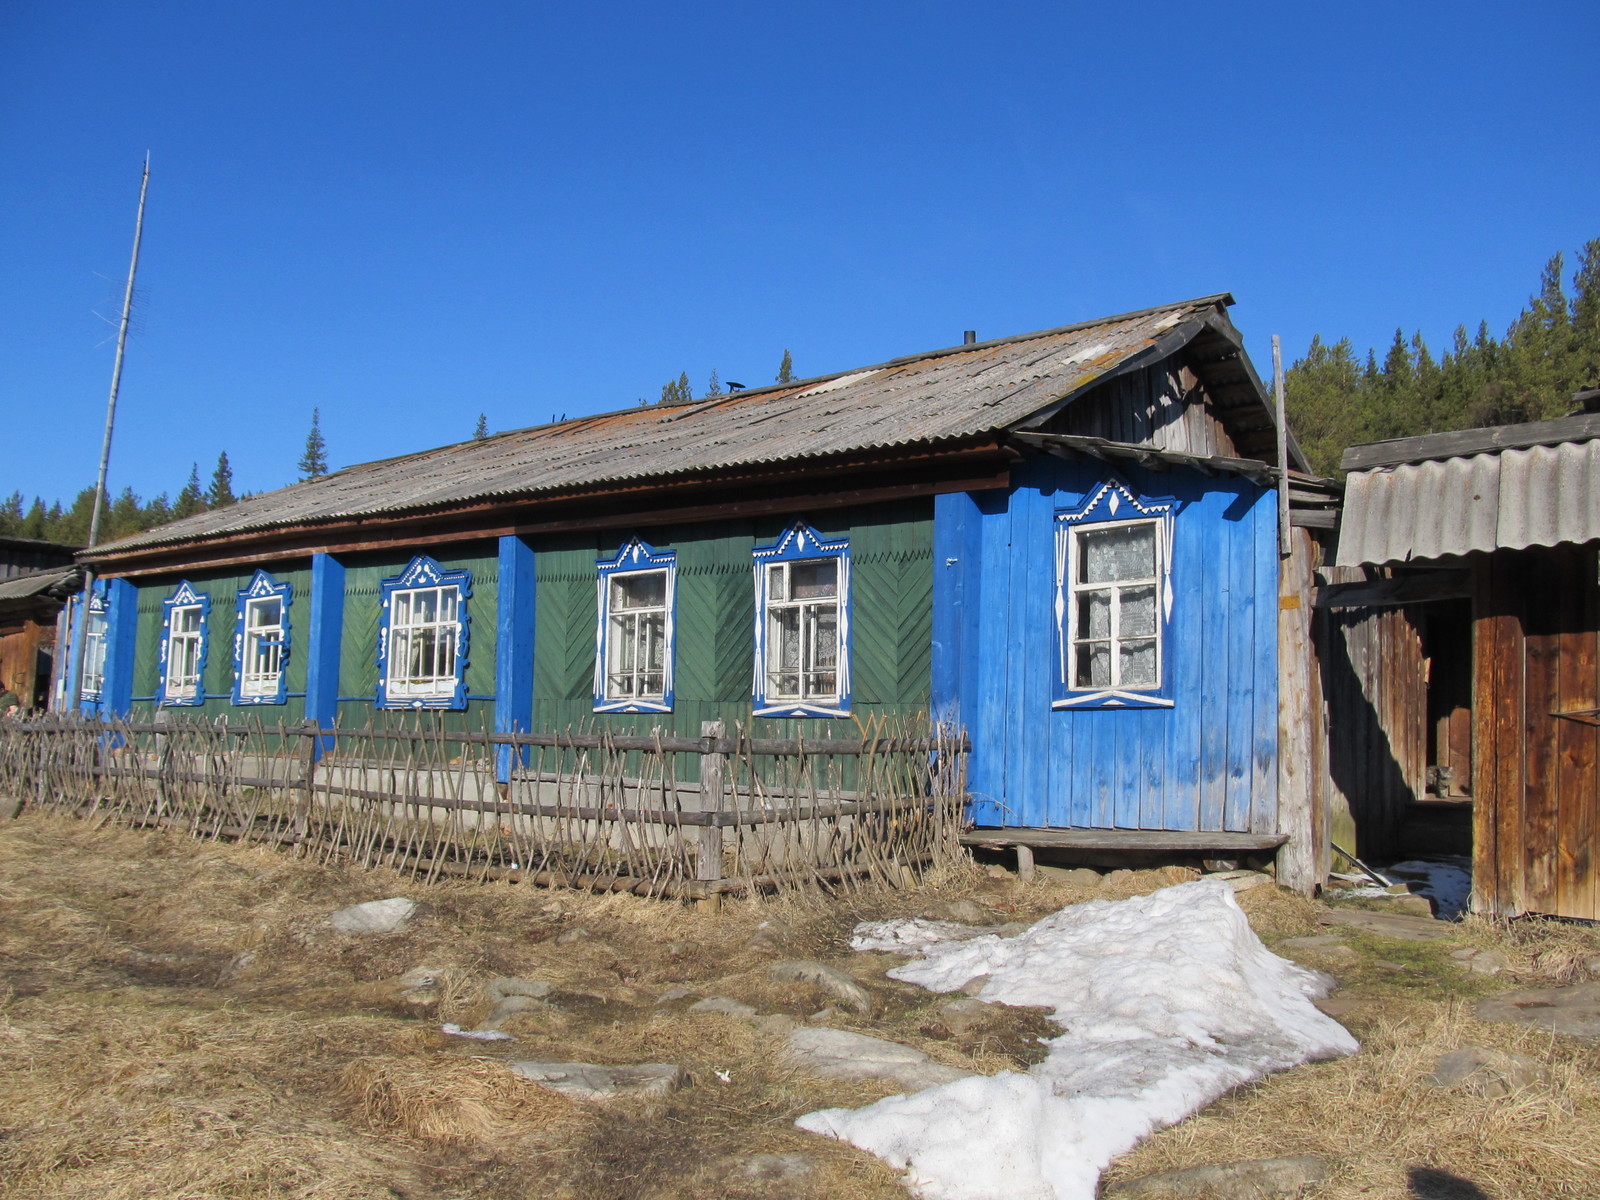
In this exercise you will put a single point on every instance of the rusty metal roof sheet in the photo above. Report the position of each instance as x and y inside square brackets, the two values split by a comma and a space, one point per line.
[39, 583]
[1510, 499]
[940, 397]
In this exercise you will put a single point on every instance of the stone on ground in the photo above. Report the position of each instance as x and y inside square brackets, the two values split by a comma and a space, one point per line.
[1401, 926]
[1574, 1010]
[589, 1081]
[1081, 876]
[503, 986]
[830, 979]
[724, 1005]
[375, 916]
[1241, 881]
[964, 1014]
[777, 1167]
[840, 1054]
[965, 912]
[1486, 1072]
[1257, 1179]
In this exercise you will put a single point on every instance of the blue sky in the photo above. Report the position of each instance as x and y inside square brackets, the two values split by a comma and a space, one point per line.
[406, 214]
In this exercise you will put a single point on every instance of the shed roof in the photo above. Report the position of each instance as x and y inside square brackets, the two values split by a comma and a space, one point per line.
[944, 397]
[57, 581]
[1535, 489]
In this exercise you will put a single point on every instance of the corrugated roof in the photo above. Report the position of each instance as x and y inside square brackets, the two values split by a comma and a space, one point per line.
[25, 587]
[1510, 499]
[940, 397]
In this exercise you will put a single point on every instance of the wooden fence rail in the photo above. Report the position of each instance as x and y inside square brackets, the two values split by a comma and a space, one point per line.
[690, 818]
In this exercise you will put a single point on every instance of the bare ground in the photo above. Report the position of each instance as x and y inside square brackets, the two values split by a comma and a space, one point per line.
[178, 1020]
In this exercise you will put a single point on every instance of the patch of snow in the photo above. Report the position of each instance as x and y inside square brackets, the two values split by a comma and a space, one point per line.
[910, 935]
[478, 1035]
[1168, 1001]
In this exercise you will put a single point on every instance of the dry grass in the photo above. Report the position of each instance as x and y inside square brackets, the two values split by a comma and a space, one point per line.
[177, 1020]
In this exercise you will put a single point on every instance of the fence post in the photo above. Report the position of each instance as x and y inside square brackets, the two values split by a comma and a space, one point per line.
[308, 778]
[708, 854]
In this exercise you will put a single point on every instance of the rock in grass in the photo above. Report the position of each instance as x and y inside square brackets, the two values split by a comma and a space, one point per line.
[725, 1006]
[781, 1167]
[1401, 926]
[964, 1014]
[830, 979]
[1485, 1072]
[503, 986]
[588, 1081]
[375, 916]
[840, 1054]
[1257, 1179]
[1574, 1011]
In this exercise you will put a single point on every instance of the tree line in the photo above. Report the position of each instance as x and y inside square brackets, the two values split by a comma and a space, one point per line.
[1549, 352]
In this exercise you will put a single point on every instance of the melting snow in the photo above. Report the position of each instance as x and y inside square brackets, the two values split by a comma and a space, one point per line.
[1168, 1001]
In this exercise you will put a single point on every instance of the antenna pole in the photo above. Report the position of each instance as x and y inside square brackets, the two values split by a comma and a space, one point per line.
[80, 634]
[1284, 544]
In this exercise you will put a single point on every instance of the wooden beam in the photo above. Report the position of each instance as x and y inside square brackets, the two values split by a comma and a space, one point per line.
[1401, 589]
[1119, 839]
[1470, 441]
[1297, 722]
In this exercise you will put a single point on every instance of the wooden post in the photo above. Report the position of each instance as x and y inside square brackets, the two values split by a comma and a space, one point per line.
[308, 781]
[1025, 871]
[708, 860]
[1283, 449]
[1297, 858]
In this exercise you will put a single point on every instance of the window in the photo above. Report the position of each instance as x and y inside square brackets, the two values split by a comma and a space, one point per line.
[422, 637]
[261, 642]
[802, 664]
[634, 633]
[1113, 600]
[94, 648]
[1114, 642]
[183, 646]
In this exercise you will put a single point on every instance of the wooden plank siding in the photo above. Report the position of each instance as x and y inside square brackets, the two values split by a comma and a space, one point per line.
[891, 581]
[217, 681]
[1537, 793]
[1162, 406]
[1207, 763]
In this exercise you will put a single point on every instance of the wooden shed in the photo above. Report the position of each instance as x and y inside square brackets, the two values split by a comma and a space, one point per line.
[36, 579]
[1496, 531]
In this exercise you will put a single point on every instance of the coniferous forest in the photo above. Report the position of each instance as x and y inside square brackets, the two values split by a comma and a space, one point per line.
[1336, 398]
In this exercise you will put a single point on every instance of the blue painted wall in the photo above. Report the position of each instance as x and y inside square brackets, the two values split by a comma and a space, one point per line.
[1207, 763]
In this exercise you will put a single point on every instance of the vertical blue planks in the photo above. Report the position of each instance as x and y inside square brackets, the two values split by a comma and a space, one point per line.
[1207, 763]
[513, 647]
[122, 624]
[322, 645]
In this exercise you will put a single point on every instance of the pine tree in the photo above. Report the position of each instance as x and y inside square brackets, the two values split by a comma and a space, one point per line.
[677, 391]
[314, 462]
[11, 515]
[714, 388]
[786, 368]
[191, 500]
[481, 430]
[33, 523]
[220, 494]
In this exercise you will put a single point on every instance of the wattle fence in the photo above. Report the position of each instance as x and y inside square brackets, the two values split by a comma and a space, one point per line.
[658, 815]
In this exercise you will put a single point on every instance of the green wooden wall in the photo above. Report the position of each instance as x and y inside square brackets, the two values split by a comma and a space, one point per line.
[224, 589]
[891, 553]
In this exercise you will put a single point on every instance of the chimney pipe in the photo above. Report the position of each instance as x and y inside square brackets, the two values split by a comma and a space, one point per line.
[969, 337]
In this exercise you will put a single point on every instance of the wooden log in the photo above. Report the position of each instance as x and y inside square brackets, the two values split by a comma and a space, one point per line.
[1298, 857]
[709, 845]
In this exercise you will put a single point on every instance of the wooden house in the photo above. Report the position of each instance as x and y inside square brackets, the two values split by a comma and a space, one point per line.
[36, 580]
[1482, 549]
[1065, 541]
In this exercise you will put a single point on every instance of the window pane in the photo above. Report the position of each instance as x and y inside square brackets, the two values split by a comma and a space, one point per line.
[186, 620]
[825, 634]
[1124, 552]
[1139, 663]
[424, 607]
[654, 631]
[1094, 665]
[648, 590]
[814, 579]
[783, 637]
[264, 613]
[777, 578]
[1138, 612]
[1094, 614]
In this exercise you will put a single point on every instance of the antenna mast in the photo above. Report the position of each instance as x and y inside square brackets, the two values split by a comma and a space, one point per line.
[75, 673]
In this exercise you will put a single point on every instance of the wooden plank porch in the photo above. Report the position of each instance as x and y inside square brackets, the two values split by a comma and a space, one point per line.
[1026, 840]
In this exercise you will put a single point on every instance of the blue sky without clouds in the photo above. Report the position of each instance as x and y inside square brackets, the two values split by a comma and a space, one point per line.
[408, 213]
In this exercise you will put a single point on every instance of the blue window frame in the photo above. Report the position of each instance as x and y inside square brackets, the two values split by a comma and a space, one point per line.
[802, 658]
[1113, 601]
[185, 620]
[422, 637]
[635, 629]
[94, 645]
[261, 642]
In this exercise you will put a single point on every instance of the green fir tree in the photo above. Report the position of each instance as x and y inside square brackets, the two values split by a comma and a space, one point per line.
[220, 493]
[314, 462]
[786, 368]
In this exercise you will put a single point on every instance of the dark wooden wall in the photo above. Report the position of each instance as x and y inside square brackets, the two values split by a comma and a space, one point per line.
[1536, 685]
[25, 648]
[1375, 698]
[1162, 405]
